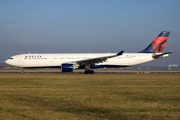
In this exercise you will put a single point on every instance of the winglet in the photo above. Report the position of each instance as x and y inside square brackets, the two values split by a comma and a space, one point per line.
[120, 53]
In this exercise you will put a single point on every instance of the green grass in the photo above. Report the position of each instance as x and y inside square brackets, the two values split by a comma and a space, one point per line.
[98, 96]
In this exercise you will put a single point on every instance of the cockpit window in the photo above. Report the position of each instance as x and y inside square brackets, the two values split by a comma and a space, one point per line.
[11, 58]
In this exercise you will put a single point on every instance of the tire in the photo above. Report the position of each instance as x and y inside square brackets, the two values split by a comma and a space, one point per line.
[91, 71]
[86, 72]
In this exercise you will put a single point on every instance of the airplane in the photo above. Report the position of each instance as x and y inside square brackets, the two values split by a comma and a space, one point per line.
[88, 61]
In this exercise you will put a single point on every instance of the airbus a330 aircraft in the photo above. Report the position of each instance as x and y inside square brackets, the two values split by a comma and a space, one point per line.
[71, 61]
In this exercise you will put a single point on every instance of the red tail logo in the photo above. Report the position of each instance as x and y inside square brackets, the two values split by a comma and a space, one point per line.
[158, 44]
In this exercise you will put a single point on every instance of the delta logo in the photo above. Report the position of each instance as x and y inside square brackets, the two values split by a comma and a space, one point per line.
[32, 56]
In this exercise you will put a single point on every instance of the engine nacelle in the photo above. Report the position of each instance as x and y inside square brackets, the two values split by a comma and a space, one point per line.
[67, 67]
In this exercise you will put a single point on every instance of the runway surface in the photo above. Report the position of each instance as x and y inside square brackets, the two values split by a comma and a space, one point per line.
[102, 71]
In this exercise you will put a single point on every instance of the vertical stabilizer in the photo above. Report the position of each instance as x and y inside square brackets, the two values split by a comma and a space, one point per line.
[158, 44]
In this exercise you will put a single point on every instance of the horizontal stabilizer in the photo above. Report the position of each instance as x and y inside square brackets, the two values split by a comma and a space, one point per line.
[157, 56]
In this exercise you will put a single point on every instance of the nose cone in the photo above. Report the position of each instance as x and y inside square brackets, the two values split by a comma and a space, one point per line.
[7, 62]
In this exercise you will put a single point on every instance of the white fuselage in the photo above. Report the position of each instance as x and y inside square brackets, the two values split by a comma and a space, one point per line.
[50, 60]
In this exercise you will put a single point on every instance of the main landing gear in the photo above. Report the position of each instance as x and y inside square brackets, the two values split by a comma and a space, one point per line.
[88, 71]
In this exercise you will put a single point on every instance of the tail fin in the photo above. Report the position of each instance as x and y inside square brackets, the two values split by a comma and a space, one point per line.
[158, 44]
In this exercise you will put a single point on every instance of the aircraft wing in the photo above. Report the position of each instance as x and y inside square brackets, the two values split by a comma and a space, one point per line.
[92, 61]
[161, 55]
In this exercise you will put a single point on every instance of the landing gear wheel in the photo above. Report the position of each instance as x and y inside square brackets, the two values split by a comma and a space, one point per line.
[86, 72]
[91, 71]
[22, 71]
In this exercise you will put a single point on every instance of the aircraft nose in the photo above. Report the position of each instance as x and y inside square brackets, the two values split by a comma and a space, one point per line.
[7, 61]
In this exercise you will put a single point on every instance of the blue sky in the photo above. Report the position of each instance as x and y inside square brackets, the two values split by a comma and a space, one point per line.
[87, 26]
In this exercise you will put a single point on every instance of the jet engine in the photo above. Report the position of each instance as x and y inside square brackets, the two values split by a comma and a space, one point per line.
[68, 67]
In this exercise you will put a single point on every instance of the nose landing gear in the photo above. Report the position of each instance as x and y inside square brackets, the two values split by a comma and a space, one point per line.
[22, 71]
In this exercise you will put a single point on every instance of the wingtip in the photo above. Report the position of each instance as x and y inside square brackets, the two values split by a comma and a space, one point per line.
[120, 53]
